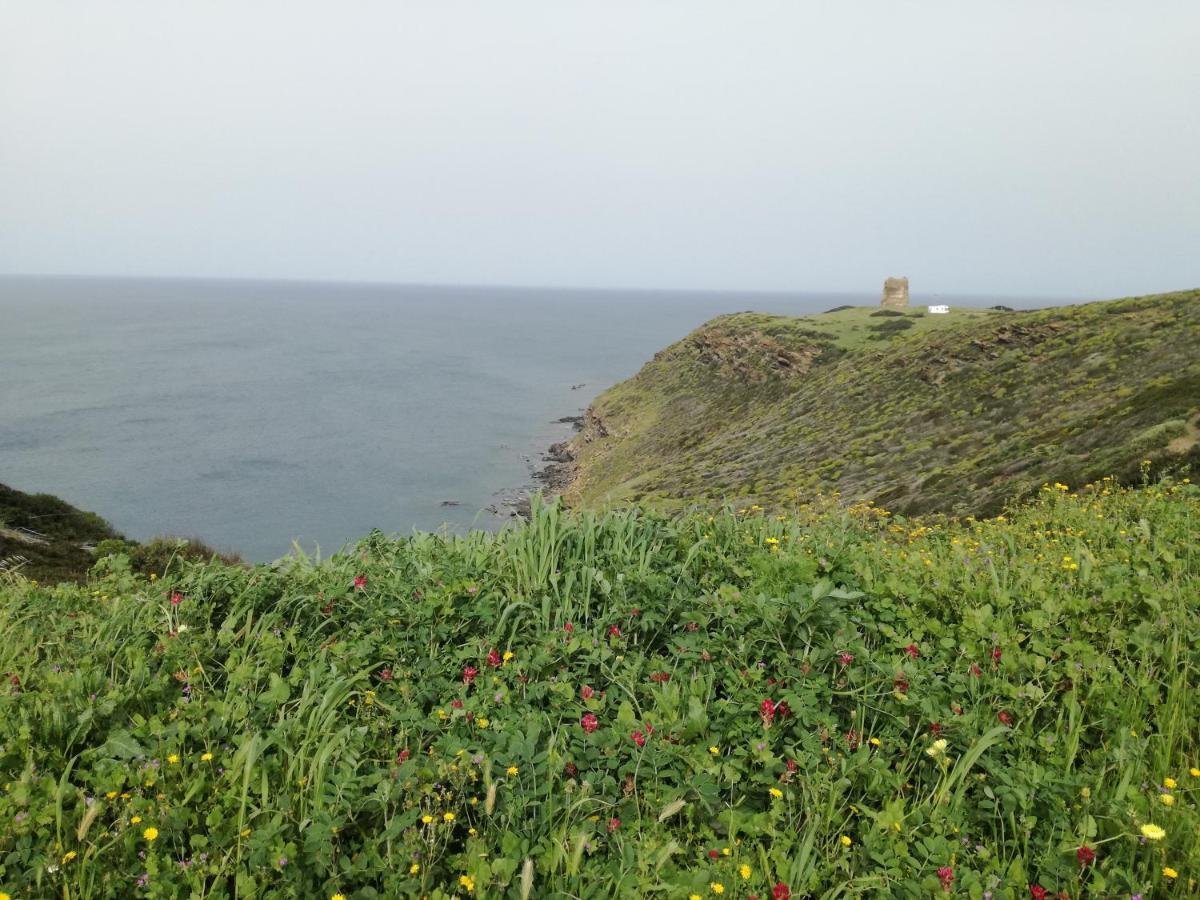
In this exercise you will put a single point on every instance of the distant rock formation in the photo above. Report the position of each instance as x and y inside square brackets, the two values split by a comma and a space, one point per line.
[895, 292]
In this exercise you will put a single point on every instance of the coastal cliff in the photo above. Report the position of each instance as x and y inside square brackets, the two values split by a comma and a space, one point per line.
[956, 413]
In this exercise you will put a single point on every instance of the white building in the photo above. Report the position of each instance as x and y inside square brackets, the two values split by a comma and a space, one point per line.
[940, 309]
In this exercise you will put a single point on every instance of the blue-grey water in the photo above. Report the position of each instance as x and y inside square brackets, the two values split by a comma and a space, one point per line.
[253, 414]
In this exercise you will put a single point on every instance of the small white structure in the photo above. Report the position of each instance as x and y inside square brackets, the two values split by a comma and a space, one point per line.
[940, 309]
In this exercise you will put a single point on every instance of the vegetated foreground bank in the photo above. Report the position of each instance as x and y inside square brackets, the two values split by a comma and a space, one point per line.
[835, 703]
[948, 413]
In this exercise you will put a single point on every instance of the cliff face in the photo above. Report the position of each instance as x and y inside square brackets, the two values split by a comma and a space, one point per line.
[953, 413]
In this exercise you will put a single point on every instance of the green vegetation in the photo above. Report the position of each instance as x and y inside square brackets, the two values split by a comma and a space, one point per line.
[47, 538]
[948, 413]
[837, 702]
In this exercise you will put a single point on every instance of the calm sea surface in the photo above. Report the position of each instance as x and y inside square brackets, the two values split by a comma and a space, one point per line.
[253, 414]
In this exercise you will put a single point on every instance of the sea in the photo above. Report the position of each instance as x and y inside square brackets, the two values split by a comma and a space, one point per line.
[259, 415]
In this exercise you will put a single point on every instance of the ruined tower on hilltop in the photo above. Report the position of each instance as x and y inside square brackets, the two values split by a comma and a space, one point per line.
[895, 292]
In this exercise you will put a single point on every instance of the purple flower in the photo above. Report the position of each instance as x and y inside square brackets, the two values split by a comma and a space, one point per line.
[283, 861]
[143, 880]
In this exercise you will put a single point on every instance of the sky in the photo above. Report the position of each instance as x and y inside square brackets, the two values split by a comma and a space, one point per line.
[1022, 147]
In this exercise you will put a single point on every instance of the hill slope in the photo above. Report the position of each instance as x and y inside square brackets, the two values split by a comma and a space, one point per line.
[920, 413]
[629, 704]
[48, 538]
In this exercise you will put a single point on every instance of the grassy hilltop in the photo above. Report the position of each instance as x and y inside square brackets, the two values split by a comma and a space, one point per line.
[836, 703]
[917, 412]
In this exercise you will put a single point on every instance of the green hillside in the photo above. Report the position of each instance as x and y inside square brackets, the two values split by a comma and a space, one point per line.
[916, 412]
[47, 538]
[834, 704]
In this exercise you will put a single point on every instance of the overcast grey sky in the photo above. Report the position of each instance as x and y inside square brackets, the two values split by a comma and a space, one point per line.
[1020, 146]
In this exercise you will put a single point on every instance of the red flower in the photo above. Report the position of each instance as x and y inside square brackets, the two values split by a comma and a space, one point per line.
[639, 738]
[456, 704]
[1005, 718]
[614, 631]
[385, 675]
[661, 677]
[714, 854]
[589, 722]
[176, 598]
[568, 628]
[783, 710]
[469, 673]
[360, 582]
[781, 892]
[403, 756]
[1085, 855]
[913, 651]
[975, 670]
[1037, 891]
[570, 770]
[957, 709]
[852, 739]
[935, 728]
[613, 824]
[845, 658]
[946, 877]
[900, 683]
[635, 612]
[791, 765]
[995, 654]
[494, 659]
[587, 692]
[766, 711]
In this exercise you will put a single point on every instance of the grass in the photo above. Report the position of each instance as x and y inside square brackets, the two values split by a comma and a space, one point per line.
[834, 702]
[956, 413]
[58, 547]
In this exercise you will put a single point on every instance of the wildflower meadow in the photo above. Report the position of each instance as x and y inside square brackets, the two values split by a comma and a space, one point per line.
[830, 702]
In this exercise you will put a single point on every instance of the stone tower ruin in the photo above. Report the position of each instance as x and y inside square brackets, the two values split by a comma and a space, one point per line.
[895, 292]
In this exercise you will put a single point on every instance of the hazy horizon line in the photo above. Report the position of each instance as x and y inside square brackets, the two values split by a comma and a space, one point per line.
[365, 282]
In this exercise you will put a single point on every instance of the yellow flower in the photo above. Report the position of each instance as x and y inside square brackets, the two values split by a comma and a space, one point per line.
[428, 820]
[508, 655]
[472, 832]
[772, 541]
[483, 723]
[1170, 784]
[448, 817]
[4, 896]
[71, 854]
[725, 851]
[245, 832]
[414, 868]
[467, 882]
[150, 834]
[874, 742]
[153, 577]
[173, 759]
[1085, 792]
[717, 888]
[1167, 799]
[338, 897]
[713, 750]
[690, 897]
[1152, 832]
[846, 841]
[206, 757]
[775, 792]
[1168, 872]
[513, 770]
[1194, 772]
[744, 871]
[135, 820]
[111, 795]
